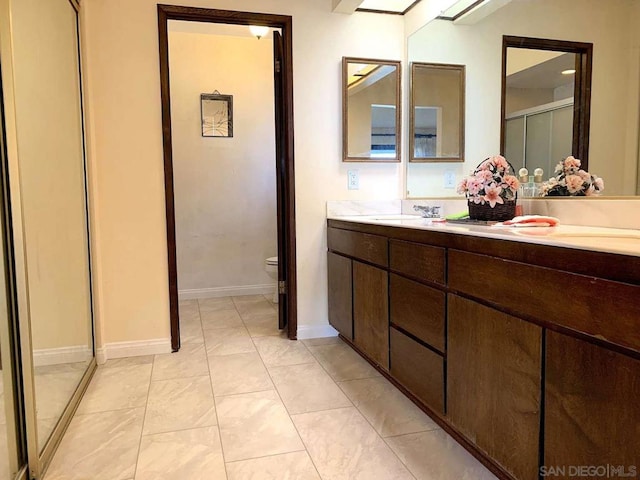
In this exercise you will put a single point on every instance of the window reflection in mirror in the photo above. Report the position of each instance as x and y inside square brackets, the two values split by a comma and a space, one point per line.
[371, 110]
[436, 129]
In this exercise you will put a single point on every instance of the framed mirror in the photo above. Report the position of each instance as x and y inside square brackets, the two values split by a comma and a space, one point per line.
[436, 120]
[546, 101]
[371, 110]
[216, 112]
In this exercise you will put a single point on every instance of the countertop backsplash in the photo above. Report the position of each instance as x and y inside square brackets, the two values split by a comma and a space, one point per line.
[612, 212]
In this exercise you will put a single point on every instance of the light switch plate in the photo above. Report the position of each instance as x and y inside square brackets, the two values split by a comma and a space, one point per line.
[353, 180]
[449, 179]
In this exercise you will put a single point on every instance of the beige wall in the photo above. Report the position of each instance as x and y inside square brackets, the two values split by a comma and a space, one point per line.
[614, 102]
[51, 172]
[124, 95]
[225, 188]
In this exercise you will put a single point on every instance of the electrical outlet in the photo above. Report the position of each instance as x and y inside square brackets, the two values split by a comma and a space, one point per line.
[449, 179]
[353, 180]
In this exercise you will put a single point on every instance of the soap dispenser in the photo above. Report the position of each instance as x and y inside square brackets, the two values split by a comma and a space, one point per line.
[537, 179]
[523, 177]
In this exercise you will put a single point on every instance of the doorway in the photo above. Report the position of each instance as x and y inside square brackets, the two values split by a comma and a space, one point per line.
[283, 107]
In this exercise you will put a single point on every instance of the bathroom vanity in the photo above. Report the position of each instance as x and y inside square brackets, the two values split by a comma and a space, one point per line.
[523, 344]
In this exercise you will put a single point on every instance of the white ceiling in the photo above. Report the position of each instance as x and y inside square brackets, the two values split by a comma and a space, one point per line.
[457, 7]
[397, 6]
[546, 74]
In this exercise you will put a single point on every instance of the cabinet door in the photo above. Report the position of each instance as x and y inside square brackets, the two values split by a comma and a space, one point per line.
[340, 294]
[592, 414]
[371, 312]
[494, 383]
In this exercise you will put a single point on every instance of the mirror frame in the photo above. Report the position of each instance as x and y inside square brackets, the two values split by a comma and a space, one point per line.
[461, 113]
[581, 92]
[345, 110]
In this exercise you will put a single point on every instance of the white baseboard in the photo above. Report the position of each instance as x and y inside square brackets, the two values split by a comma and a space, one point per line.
[190, 294]
[57, 356]
[133, 349]
[316, 331]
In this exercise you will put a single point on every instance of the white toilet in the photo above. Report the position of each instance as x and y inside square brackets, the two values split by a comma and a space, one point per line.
[271, 266]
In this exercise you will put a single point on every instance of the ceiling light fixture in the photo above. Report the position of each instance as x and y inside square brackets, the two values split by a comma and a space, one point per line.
[258, 32]
[568, 72]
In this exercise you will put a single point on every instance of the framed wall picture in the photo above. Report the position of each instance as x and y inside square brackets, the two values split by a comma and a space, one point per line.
[217, 114]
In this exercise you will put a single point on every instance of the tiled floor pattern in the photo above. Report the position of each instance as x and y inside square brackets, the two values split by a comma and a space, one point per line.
[240, 401]
[54, 385]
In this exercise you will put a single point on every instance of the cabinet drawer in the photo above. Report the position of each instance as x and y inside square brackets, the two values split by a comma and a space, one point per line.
[418, 309]
[419, 369]
[601, 308]
[419, 261]
[364, 246]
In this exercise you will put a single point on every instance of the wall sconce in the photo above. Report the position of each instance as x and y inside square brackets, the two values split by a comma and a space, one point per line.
[258, 32]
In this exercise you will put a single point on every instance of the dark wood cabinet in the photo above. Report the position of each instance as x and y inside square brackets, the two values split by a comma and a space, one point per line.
[340, 294]
[592, 408]
[493, 383]
[371, 312]
[527, 354]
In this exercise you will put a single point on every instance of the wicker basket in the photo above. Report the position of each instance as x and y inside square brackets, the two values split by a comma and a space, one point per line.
[500, 213]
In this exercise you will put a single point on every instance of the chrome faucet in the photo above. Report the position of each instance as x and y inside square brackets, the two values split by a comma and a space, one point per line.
[428, 212]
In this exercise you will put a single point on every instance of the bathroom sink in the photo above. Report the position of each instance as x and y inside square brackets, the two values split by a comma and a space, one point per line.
[397, 217]
[617, 241]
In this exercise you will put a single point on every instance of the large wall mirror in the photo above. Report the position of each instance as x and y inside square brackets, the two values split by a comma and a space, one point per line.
[47, 170]
[476, 41]
[436, 119]
[371, 110]
[546, 101]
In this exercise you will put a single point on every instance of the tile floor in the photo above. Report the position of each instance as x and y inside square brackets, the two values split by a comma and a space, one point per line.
[240, 401]
[54, 385]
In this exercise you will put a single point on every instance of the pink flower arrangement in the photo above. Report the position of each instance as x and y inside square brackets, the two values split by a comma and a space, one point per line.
[490, 183]
[571, 180]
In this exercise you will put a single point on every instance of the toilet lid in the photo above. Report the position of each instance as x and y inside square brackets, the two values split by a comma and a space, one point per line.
[272, 261]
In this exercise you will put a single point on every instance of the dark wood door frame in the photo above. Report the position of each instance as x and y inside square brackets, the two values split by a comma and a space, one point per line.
[284, 23]
[582, 87]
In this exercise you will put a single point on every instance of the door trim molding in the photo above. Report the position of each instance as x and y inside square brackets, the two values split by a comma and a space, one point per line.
[283, 22]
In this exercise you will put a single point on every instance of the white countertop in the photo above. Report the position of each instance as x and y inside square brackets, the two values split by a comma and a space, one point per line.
[609, 240]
